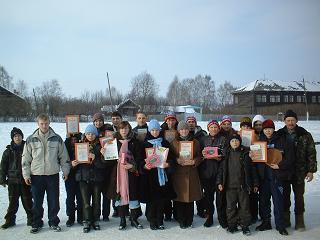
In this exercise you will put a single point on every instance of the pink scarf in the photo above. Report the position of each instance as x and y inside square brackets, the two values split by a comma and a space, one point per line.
[122, 174]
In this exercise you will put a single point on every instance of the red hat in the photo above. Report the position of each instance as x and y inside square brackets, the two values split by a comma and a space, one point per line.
[268, 124]
[213, 122]
[171, 115]
[191, 118]
[224, 119]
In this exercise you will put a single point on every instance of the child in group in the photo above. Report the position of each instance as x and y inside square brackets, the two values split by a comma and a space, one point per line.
[11, 175]
[127, 177]
[271, 178]
[236, 177]
[186, 182]
[90, 177]
[72, 186]
[157, 188]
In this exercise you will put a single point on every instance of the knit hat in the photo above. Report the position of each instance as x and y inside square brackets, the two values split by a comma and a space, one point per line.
[258, 118]
[182, 125]
[154, 124]
[268, 124]
[192, 118]
[213, 122]
[224, 119]
[170, 115]
[290, 113]
[97, 116]
[15, 131]
[246, 121]
[91, 129]
[235, 136]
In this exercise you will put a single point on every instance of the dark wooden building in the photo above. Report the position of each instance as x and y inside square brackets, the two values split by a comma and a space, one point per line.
[126, 108]
[271, 97]
[11, 104]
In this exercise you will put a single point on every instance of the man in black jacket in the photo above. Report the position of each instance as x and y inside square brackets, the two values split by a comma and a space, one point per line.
[305, 166]
[11, 175]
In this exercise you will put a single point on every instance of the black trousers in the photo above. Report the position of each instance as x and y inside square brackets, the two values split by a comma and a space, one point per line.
[298, 190]
[91, 209]
[15, 191]
[168, 209]
[210, 189]
[184, 212]
[254, 205]
[238, 207]
[155, 211]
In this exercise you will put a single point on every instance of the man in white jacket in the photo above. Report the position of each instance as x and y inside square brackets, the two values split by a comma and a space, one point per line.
[43, 155]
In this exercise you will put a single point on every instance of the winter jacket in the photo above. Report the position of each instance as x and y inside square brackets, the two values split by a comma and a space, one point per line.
[249, 178]
[286, 166]
[149, 184]
[305, 152]
[95, 171]
[198, 133]
[37, 162]
[186, 181]
[10, 168]
[209, 167]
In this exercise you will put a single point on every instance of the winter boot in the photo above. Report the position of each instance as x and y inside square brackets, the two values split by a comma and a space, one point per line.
[209, 221]
[134, 214]
[122, 214]
[70, 221]
[86, 227]
[265, 225]
[96, 225]
[300, 223]
[286, 219]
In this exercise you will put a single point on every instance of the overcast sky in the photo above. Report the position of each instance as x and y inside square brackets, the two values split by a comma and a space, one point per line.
[77, 41]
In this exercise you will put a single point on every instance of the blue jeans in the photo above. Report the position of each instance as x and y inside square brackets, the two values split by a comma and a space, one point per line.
[73, 193]
[272, 187]
[40, 185]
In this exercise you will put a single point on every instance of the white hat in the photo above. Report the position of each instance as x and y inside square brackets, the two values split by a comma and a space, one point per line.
[258, 118]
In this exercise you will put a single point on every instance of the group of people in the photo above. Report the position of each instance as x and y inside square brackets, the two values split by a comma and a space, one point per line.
[228, 181]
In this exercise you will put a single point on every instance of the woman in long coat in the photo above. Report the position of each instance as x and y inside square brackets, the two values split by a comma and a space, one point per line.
[186, 182]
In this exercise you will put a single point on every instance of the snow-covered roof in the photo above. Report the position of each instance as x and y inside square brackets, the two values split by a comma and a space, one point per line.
[271, 85]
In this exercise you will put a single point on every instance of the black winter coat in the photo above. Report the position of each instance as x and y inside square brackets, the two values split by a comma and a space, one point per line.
[11, 170]
[248, 174]
[150, 188]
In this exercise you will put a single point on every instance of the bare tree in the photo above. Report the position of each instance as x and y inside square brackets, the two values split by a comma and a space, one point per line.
[21, 88]
[5, 79]
[224, 94]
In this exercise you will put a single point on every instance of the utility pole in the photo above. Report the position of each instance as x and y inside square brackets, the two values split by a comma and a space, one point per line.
[110, 92]
[305, 98]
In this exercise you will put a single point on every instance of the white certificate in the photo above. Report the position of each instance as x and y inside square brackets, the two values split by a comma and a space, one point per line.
[72, 122]
[111, 150]
[247, 137]
[82, 152]
[142, 132]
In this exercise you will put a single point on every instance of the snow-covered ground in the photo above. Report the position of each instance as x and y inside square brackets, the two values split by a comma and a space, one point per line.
[109, 230]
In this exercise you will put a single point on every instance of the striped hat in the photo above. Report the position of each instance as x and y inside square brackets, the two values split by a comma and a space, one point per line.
[213, 122]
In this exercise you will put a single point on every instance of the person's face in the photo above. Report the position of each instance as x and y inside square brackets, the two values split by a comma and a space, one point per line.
[124, 132]
[116, 120]
[268, 132]
[155, 133]
[90, 136]
[43, 125]
[191, 124]
[73, 140]
[290, 123]
[226, 126]
[171, 123]
[234, 143]
[258, 126]
[184, 132]
[98, 123]
[213, 129]
[245, 127]
[141, 119]
[17, 139]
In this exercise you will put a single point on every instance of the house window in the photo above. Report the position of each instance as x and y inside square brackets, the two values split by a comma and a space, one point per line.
[286, 98]
[314, 99]
[274, 98]
[291, 98]
[299, 99]
[258, 98]
[264, 98]
[236, 99]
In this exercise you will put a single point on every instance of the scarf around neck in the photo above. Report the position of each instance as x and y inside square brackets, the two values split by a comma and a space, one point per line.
[122, 174]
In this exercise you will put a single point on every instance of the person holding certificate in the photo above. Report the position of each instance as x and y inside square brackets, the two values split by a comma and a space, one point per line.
[90, 176]
[217, 143]
[141, 129]
[126, 179]
[271, 178]
[157, 186]
[186, 182]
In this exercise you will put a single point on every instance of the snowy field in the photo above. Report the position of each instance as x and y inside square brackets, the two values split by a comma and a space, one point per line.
[109, 230]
